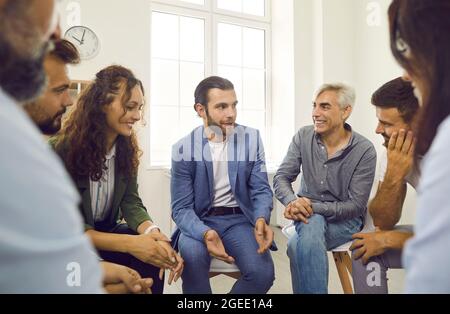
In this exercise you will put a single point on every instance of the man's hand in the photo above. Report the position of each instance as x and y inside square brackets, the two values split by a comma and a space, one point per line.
[118, 279]
[400, 154]
[368, 245]
[215, 247]
[263, 235]
[147, 248]
[299, 210]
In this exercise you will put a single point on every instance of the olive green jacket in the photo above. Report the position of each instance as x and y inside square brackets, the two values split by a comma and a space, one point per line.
[126, 203]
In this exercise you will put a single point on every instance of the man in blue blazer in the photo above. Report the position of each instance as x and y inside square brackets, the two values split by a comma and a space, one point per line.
[221, 197]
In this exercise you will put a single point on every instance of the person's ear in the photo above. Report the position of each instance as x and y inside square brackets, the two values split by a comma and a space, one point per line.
[347, 112]
[200, 109]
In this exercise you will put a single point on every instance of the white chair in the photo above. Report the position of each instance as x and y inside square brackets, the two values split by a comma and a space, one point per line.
[341, 258]
[219, 267]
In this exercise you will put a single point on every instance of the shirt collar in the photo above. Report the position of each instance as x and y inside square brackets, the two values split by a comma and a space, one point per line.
[112, 153]
[346, 126]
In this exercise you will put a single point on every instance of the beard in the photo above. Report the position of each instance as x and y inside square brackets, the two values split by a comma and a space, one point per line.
[221, 133]
[23, 78]
[50, 126]
[46, 124]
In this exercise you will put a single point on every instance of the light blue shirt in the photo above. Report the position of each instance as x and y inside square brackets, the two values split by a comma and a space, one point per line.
[43, 248]
[427, 255]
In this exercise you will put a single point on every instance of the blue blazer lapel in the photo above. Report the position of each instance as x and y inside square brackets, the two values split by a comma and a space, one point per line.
[233, 161]
[207, 160]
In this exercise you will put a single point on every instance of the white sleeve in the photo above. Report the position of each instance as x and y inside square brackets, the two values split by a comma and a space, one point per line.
[383, 166]
[427, 256]
[43, 247]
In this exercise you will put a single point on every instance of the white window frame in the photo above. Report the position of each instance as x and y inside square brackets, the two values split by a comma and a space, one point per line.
[266, 19]
[212, 16]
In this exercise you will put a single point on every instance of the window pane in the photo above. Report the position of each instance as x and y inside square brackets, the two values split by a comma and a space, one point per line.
[254, 51]
[164, 123]
[199, 2]
[229, 44]
[254, 89]
[189, 120]
[234, 75]
[231, 5]
[165, 35]
[192, 39]
[191, 74]
[254, 119]
[164, 83]
[254, 7]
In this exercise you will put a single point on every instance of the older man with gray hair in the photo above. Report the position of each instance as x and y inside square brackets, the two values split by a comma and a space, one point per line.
[337, 167]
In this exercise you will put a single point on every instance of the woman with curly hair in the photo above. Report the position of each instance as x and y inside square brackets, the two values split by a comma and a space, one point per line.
[100, 151]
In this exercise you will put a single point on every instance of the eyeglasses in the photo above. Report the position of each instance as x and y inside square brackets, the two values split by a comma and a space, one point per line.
[401, 45]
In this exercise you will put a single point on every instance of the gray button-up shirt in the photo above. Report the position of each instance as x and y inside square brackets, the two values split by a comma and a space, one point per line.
[338, 187]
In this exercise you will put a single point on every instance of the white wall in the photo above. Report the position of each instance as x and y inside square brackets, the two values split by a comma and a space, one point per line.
[283, 77]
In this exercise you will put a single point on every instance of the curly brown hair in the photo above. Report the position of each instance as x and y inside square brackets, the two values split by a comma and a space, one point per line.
[83, 138]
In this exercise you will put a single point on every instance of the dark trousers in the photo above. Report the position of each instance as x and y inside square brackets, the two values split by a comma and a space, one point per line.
[144, 269]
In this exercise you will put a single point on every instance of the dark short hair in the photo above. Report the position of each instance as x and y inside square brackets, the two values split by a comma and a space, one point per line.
[65, 51]
[399, 94]
[202, 90]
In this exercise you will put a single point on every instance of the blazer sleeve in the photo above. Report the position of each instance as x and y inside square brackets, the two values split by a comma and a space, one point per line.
[133, 210]
[182, 195]
[61, 153]
[260, 191]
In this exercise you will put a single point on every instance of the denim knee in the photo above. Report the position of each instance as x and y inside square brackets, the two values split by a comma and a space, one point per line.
[311, 235]
[193, 252]
[292, 246]
[262, 275]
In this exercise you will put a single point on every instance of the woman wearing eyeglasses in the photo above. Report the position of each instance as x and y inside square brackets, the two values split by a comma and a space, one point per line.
[420, 42]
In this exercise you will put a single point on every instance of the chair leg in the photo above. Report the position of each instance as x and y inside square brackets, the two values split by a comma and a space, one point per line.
[340, 258]
[348, 262]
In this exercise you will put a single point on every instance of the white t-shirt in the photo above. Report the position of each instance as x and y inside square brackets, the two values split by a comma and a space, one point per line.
[43, 248]
[412, 178]
[223, 195]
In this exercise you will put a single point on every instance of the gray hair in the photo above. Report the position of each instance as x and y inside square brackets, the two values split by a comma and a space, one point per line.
[346, 93]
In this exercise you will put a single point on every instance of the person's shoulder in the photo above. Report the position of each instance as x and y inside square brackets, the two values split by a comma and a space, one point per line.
[443, 133]
[241, 130]
[188, 141]
[439, 149]
[306, 131]
[363, 142]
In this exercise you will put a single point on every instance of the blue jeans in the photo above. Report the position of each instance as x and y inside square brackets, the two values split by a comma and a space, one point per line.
[237, 234]
[307, 251]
